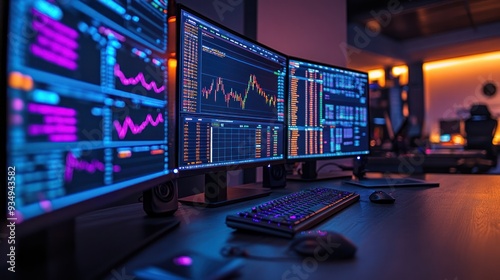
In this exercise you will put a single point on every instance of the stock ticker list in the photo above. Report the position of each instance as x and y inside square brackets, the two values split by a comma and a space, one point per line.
[232, 103]
[327, 110]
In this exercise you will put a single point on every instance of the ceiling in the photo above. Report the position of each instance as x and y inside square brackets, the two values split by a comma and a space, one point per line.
[423, 29]
[409, 19]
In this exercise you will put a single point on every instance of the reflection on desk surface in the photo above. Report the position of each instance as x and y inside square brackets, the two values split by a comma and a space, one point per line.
[450, 232]
[458, 152]
[435, 161]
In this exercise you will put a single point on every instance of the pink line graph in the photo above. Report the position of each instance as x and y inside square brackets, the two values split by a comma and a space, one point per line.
[72, 163]
[138, 79]
[129, 124]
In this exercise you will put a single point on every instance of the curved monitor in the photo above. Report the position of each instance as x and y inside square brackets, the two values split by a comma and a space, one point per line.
[87, 105]
[327, 111]
[231, 94]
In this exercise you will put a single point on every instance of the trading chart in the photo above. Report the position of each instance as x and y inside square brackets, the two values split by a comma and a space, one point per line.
[87, 92]
[232, 97]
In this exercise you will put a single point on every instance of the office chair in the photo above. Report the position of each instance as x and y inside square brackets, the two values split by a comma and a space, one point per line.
[480, 128]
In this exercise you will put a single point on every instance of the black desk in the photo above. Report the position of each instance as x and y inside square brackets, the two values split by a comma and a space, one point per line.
[449, 232]
[434, 161]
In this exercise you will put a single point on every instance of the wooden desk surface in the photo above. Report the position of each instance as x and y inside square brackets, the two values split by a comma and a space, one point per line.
[450, 232]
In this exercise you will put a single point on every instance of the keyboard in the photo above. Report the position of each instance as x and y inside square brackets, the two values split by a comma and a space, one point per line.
[292, 213]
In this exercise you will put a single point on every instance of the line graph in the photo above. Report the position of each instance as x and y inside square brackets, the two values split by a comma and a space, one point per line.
[138, 79]
[242, 83]
[73, 163]
[129, 125]
[246, 96]
[217, 85]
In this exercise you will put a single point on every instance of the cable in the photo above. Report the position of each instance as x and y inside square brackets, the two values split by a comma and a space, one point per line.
[234, 251]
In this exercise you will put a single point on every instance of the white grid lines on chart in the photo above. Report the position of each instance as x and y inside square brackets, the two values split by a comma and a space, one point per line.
[233, 144]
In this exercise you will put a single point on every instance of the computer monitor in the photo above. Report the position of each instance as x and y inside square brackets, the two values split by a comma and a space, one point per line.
[231, 105]
[87, 108]
[327, 115]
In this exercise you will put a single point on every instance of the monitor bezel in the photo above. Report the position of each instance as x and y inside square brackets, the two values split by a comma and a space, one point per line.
[328, 157]
[4, 11]
[229, 167]
[48, 220]
[61, 215]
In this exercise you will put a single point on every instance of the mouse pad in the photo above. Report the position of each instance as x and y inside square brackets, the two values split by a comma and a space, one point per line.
[391, 182]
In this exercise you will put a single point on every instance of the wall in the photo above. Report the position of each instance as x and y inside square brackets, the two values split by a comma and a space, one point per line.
[314, 29]
[451, 86]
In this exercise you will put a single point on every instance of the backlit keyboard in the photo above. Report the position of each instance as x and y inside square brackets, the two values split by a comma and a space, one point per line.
[292, 213]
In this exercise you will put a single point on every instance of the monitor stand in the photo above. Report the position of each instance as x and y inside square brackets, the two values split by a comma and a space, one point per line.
[359, 178]
[310, 174]
[217, 193]
[90, 246]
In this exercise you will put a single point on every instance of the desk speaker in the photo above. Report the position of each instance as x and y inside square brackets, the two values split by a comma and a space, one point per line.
[274, 176]
[359, 166]
[161, 200]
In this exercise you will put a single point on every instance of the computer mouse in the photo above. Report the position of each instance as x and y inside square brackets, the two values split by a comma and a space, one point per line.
[381, 197]
[323, 245]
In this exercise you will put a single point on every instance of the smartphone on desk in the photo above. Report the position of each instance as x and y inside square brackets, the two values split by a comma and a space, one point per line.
[191, 265]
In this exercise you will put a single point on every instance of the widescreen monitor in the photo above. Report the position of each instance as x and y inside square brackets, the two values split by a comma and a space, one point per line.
[231, 105]
[327, 114]
[87, 106]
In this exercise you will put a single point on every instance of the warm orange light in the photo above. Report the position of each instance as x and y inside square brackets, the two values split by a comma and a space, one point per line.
[458, 139]
[377, 75]
[445, 72]
[496, 139]
[172, 63]
[15, 80]
[398, 70]
[27, 83]
[374, 26]
[172, 19]
[406, 111]
[157, 152]
[402, 73]
[404, 95]
[461, 60]
[124, 154]
[434, 138]
[19, 81]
